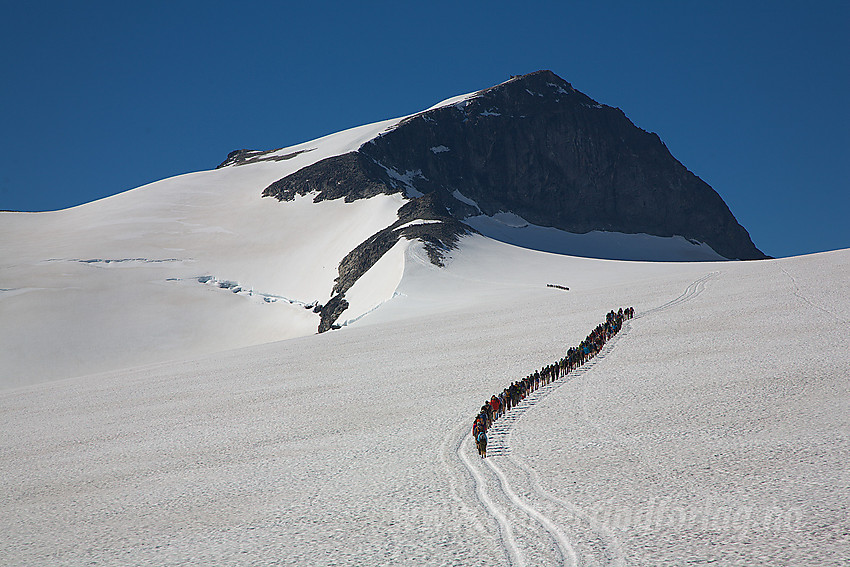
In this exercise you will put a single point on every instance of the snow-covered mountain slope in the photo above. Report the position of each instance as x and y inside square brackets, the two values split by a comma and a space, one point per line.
[713, 431]
[201, 262]
[117, 282]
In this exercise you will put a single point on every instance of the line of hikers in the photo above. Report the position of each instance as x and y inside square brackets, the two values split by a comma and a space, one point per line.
[499, 404]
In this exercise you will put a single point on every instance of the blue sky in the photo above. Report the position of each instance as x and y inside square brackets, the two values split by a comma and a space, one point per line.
[101, 97]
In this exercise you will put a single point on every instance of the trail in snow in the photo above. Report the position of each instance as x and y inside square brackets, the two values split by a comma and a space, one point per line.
[515, 556]
[690, 292]
[565, 548]
[498, 446]
[605, 534]
[499, 453]
[800, 295]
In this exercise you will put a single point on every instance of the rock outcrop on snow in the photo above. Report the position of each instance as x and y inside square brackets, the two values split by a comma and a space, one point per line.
[424, 219]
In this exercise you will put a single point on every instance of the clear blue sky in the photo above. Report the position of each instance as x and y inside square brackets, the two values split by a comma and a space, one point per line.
[101, 97]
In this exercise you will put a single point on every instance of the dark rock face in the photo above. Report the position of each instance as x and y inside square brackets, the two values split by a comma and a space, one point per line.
[536, 147]
[350, 176]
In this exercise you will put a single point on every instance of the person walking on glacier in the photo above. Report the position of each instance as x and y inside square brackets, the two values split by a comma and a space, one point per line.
[481, 441]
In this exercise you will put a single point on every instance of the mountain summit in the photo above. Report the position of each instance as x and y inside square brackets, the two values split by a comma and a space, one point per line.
[537, 148]
[531, 162]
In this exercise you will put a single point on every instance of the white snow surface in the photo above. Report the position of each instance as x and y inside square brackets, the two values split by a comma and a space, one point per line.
[459, 100]
[460, 197]
[418, 222]
[713, 431]
[165, 401]
[513, 229]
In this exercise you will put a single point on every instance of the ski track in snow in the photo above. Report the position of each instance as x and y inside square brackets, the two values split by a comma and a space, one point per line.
[605, 534]
[516, 535]
[509, 543]
[690, 292]
[565, 548]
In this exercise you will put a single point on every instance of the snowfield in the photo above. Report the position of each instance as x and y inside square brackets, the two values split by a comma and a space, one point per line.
[713, 430]
[165, 400]
[118, 280]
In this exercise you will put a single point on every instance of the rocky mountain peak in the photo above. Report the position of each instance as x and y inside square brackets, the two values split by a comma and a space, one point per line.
[537, 147]
[533, 146]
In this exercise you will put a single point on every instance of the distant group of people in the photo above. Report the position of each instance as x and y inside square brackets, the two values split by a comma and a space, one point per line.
[498, 405]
